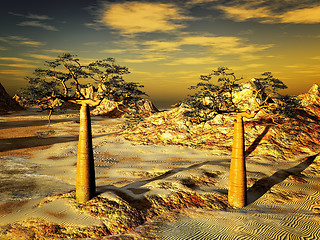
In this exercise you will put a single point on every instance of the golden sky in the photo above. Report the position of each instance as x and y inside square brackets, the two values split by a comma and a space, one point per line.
[167, 45]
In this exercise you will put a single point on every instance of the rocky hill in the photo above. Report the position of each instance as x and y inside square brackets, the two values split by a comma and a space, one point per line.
[7, 104]
[295, 136]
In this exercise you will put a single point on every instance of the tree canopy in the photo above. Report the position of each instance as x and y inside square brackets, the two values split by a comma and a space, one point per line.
[64, 78]
[215, 94]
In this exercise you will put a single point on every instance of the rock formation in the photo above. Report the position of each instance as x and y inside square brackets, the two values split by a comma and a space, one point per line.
[109, 108]
[7, 103]
[311, 100]
[88, 92]
[296, 136]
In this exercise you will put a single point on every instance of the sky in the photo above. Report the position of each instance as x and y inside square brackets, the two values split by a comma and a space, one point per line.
[166, 45]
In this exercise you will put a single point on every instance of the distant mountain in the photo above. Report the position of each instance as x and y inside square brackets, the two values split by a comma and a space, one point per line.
[7, 103]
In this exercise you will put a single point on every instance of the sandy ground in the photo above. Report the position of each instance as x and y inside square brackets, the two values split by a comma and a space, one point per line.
[284, 197]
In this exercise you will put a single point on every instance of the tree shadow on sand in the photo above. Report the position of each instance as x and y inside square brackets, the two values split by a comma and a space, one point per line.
[32, 123]
[134, 192]
[265, 184]
[9, 144]
[38, 123]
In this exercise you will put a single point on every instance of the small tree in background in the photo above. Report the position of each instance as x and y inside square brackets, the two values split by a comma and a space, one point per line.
[63, 80]
[212, 99]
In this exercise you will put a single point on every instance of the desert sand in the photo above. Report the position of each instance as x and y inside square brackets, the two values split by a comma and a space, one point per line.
[146, 191]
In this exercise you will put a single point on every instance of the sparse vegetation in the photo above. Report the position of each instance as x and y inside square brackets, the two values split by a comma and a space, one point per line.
[218, 98]
[67, 79]
[212, 99]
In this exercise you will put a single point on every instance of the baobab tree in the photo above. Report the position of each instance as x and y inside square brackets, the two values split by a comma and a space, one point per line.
[62, 81]
[212, 99]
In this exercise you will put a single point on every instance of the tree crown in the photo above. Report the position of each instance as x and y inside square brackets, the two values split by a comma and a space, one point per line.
[64, 77]
[212, 98]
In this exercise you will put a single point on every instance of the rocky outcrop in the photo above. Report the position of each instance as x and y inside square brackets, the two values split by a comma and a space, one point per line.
[7, 103]
[295, 136]
[88, 92]
[116, 215]
[105, 108]
[311, 100]
[146, 106]
[108, 108]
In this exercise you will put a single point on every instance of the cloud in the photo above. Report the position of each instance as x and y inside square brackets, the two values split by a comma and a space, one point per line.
[13, 72]
[204, 47]
[306, 15]
[219, 45]
[311, 72]
[194, 2]
[12, 38]
[59, 51]
[37, 21]
[142, 60]
[143, 17]
[13, 59]
[92, 43]
[40, 56]
[214, 41]
[243, 13]
[39, 17]
[194, 61]
[96, 25]
[162, 46]
[228, 45]
[292, 66]
[207, 49]
[32, 16]
[31, 43]
[17, 40]
[114, 51]
[18, 65]
[248, 66]
[38, 24]
[271, 13]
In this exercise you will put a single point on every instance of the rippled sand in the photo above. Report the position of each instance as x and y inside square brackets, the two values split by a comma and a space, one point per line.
[289, 210]
[284, 196]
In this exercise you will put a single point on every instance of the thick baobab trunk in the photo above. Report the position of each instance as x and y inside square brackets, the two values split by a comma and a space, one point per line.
[237, 194]
[85, 183]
